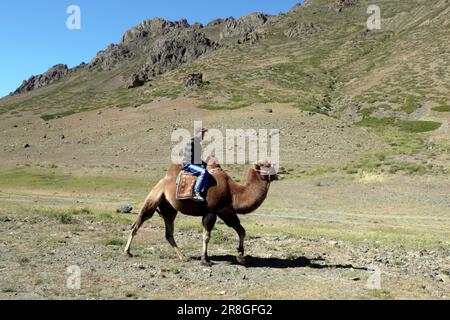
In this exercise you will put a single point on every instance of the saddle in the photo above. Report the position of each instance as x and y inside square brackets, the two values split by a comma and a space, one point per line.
[185, 185]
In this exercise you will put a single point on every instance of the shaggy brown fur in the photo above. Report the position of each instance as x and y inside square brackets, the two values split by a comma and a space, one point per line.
[225, 199]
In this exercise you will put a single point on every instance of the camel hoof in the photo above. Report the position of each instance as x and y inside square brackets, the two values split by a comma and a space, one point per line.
[241, 260]
[128, 254]
[206, 263]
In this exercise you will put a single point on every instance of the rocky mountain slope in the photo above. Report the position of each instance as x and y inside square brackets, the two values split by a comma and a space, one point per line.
[319, 57]
[55, 73]
[158, 45]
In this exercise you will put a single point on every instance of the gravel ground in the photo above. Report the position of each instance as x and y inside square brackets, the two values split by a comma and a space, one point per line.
[37, 250]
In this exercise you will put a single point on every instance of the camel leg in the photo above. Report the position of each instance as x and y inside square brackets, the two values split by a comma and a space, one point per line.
[209, 221]
[148, 210]
[233, 221]
[169, 214]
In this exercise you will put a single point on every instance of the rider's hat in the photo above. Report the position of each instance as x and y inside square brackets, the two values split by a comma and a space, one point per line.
[200, 130]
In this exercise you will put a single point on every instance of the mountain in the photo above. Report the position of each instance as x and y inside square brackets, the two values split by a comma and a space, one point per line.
[319, 57]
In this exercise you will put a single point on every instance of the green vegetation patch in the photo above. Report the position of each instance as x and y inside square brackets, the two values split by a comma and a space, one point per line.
[115, 242]
[44, 180]
[411, 105]
[376, 122]
[403, 125]
[65, 218]
[409, 168]
[49, 117]
[443, 108]
[419, 126]
[233, 104]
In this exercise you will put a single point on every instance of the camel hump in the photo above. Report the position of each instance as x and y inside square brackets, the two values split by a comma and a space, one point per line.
[213, 165]
[174, 167]
[173, 170]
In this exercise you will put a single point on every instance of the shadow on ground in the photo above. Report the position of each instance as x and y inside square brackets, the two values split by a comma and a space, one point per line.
[279, 263]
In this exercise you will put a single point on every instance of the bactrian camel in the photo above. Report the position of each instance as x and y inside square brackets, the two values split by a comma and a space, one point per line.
[225, 199]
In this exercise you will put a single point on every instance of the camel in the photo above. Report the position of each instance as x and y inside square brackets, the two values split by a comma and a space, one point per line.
[225, 199]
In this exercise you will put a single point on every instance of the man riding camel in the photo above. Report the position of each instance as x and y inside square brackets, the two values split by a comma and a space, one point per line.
[192, 162]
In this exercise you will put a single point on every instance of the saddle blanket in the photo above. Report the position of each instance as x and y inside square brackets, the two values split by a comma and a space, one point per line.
[185, 185]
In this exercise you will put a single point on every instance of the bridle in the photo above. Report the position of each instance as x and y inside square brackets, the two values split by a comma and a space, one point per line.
[264, 173]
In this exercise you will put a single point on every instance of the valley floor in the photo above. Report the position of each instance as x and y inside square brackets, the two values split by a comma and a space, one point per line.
[353, 208]
[326, 242]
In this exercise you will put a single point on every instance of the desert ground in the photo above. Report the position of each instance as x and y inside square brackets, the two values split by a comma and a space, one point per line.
[353, 204]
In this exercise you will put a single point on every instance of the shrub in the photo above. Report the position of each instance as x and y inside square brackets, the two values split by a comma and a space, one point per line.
[381, 157]
[65, 218]
[115, 242]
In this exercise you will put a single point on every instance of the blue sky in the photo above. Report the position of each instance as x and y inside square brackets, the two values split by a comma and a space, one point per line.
[34, 35]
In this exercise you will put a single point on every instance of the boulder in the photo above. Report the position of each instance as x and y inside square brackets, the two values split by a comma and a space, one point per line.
[136, 80]
[125, 209]
[194, 80]
[250, 38]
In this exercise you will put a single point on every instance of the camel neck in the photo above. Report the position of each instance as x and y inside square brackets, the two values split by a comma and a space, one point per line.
[247, 198]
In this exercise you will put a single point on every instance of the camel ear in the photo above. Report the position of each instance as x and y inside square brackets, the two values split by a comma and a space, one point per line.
[263, 164]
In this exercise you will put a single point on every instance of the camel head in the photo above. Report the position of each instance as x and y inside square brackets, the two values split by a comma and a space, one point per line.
[267, 170]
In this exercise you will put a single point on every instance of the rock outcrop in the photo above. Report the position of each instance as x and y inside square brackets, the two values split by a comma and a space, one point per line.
[244, 25]
[176, 48]
[197, 26]
[301, 29]
[55, 73]
[250, 38]
[153, 28]
[343, 4]
[297, 7]
[111, 57]
[215, 22]
[159, 46]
